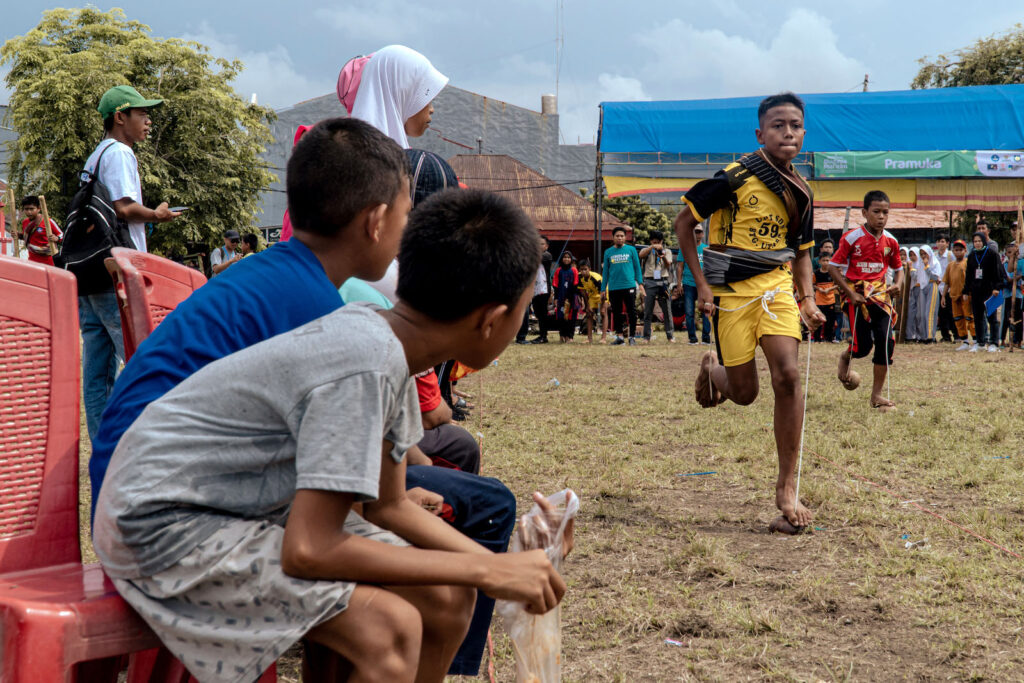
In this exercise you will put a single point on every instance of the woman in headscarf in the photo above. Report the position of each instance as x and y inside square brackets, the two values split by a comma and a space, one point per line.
[913, 294]
[392, 90]
[396, 88]
[565, 285]
[929, 273]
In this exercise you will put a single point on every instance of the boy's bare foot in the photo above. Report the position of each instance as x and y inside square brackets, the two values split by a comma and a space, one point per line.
[791, 508]
[707, 395]
[882, 404]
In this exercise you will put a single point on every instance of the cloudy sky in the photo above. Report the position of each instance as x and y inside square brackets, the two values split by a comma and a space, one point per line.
[639, 50]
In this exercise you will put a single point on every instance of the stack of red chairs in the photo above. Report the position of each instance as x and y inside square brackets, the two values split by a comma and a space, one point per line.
[60, 621]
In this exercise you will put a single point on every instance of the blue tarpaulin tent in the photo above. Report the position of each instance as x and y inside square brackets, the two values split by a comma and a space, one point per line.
[979, 117]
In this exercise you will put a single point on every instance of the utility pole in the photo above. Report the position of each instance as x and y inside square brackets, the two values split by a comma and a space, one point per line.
[598, 195]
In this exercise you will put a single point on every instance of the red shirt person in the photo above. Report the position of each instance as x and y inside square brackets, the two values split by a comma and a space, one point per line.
[868, 252]
[34, 232]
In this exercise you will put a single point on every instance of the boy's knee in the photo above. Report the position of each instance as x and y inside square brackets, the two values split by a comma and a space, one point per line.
[389, 642]
[786, 380]
[745, 395]
[448, 610]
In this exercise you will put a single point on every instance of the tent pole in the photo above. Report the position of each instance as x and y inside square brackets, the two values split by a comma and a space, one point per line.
[598, 194]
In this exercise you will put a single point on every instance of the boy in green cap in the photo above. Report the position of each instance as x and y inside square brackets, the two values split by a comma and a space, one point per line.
[125, 122]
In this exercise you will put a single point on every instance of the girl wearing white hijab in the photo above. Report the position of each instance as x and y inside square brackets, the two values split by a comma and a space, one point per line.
[929, 273]
[913, 294]
[395, 92]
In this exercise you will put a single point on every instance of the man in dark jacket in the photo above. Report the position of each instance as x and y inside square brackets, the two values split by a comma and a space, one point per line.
[985, 280]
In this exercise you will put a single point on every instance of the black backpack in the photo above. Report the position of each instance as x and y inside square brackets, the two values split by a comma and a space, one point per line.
[92, 228]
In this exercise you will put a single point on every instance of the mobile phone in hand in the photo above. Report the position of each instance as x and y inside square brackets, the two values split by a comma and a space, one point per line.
[179, 209]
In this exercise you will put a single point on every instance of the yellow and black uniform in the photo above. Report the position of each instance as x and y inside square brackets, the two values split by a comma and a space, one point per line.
[591, 288]
[760, 217]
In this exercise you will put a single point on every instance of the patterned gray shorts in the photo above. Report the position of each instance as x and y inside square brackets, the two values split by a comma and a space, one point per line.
[228, 611]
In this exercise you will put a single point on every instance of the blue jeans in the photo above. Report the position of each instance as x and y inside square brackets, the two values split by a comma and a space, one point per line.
[689, 305]
[484, 510]
[102, 352]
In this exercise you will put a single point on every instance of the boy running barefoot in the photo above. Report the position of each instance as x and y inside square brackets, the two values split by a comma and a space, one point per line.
[227, 515]
[868, 252]
[760, 231]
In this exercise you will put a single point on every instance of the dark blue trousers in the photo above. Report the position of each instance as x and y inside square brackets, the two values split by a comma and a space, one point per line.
[484, 510]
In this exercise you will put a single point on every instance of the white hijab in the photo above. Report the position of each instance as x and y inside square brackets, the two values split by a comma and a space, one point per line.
[396, 84]
[933, 272]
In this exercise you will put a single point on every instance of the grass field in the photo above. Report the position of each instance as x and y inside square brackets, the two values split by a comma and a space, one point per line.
[688, 558]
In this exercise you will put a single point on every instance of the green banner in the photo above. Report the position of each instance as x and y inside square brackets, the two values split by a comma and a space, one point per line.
[943, 164]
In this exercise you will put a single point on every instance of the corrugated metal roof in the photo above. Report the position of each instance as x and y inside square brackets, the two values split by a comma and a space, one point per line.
[556, 210]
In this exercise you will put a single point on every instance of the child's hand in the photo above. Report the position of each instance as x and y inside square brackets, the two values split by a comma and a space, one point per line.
[526, 577]
[428, 500]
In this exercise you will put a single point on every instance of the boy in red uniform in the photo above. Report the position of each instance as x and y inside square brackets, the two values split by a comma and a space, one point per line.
[34, 232]
[868, 252]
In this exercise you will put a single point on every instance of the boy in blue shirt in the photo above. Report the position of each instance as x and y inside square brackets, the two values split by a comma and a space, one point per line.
[622, 277]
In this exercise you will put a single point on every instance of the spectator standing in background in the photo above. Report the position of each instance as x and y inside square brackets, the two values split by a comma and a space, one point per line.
[929, 275]
[40, 248]
[622, 278]
[825, 297]
[958, 298]
[250, 244]
[126, 122]
[985, 280]
[690, 293]
[1011, 312]
[657, 271]
[914, 295]
[225, 256]
[539, 303]
[590, 289]
[943, 256]
[565, 283]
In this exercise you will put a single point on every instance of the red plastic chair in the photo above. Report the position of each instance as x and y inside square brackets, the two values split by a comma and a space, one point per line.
[57, 617]
[148, 288]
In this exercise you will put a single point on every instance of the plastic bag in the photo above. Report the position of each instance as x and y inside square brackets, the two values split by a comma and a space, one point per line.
[537, 639]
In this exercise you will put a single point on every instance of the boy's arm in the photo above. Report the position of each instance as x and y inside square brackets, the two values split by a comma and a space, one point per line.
[813, 317]
[395, 512]
[844, 285]
[316, 546]
[131, 210]
[684, 225]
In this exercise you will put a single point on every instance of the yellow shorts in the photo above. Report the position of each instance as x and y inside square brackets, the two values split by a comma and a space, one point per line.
[738, 333]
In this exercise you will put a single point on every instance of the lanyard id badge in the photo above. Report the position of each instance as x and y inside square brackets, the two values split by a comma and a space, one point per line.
[978, 273]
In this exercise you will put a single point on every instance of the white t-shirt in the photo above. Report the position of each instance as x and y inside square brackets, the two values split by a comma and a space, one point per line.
[119, 171]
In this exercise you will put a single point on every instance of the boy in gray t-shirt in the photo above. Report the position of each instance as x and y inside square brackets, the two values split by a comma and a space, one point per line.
[229, 514]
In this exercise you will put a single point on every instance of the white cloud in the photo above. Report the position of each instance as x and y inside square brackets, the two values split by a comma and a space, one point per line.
[803, 55]
[270, 73]
[612, 88]
[383, 21]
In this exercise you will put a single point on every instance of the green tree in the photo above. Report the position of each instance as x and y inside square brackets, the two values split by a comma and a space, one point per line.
[996, 60]
[637, 213]
[205, 147]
